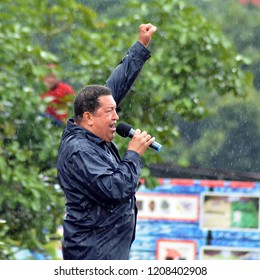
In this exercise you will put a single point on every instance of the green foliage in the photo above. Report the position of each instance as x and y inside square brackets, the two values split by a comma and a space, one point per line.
[227, 139]
[31, 202]
[191, 63]
[241, 24]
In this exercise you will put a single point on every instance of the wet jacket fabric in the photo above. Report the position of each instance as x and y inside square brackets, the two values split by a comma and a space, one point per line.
[98, 184]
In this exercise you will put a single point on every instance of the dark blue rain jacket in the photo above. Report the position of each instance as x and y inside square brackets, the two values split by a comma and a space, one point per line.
[98, 184]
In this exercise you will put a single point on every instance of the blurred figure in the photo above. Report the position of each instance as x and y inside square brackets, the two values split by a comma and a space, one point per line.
[58, 96]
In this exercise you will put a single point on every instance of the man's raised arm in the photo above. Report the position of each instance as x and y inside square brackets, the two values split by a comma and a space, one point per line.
[124, 75]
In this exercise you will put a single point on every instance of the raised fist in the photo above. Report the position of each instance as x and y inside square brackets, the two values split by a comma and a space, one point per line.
[145, 33]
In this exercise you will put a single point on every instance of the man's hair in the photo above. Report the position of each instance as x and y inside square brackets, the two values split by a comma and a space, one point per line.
[87, 100]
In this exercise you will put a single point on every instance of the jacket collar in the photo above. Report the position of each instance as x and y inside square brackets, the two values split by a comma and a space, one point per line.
[73, 128]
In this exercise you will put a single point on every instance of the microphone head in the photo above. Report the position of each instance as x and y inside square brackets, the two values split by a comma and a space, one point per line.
[123, 129]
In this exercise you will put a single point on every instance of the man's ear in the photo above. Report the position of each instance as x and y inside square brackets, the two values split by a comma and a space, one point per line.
[87, 118]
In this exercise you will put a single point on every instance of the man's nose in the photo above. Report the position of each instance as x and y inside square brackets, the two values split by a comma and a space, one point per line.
[115, 116]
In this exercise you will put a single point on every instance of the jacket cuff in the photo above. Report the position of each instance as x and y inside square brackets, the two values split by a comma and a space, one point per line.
[134, 157]
[140, 50]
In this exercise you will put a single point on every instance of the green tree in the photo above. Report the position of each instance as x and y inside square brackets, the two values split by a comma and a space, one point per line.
[240, 23]
[227, 139]
[31, 202]
[28, 202]
[192, 64]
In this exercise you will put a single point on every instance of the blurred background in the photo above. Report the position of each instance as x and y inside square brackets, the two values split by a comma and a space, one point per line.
[198, 95]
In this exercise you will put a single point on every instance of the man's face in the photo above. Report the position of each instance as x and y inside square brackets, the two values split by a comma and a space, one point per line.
[50, 81]
[104, 119]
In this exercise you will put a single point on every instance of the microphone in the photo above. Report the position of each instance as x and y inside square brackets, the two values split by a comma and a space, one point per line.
[126, 130]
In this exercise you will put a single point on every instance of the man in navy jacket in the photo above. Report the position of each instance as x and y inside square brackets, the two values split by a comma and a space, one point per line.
[98, 184]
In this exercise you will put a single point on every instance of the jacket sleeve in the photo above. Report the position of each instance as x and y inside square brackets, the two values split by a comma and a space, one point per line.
[124, 75]
[96, 179]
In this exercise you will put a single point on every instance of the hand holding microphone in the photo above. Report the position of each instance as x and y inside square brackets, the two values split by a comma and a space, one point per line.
[140, 140]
